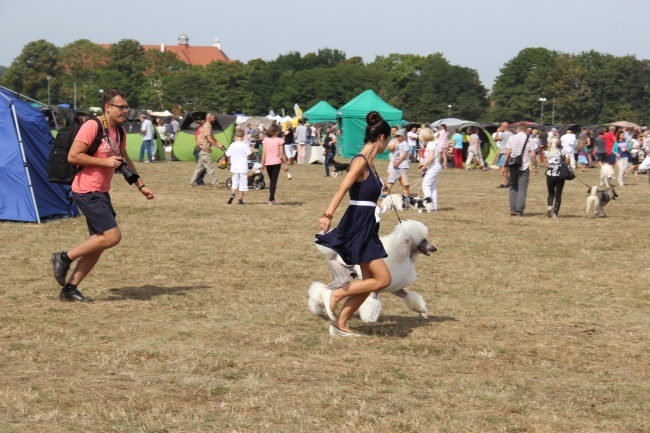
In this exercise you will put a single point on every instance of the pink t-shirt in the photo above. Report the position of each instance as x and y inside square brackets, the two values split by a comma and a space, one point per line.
[272, 149]
[97, 178]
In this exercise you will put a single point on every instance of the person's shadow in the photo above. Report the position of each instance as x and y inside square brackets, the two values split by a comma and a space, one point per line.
[145, 293]
[399, 326]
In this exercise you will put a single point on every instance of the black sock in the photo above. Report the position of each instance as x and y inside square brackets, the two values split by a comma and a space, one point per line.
[65, 257]
[69, 287]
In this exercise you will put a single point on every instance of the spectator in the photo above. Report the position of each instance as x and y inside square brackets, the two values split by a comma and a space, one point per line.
[329, 149]
[205, 142]
[400, 163]
[568, 141]
[430, 166]
[301, 140]
[554, 183]
[443, 144]
[146, 130]
[457, 139]
[519, 176]
[238, 153]
[622, 155]
[273, 156]
[635, 155]
[288, 146]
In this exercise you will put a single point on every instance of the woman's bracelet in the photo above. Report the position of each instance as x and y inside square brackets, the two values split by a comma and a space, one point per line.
[327, 215]
[141, 186]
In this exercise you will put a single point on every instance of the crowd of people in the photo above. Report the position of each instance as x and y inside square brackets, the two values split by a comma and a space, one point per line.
[435, 149]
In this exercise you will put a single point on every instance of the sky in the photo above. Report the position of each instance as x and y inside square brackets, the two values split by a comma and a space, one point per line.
[479, 34]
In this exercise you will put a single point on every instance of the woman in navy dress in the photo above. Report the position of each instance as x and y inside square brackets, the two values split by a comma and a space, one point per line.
[356, 238]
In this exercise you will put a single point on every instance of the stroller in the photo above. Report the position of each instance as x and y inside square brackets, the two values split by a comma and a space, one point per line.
[255, 180]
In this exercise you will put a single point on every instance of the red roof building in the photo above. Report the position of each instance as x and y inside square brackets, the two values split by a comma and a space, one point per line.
[191, 55]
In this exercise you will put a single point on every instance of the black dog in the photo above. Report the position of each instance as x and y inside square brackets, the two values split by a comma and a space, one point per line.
[338, 167]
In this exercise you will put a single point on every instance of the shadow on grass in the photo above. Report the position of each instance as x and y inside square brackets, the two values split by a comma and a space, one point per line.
[400, 326]
[145, 293]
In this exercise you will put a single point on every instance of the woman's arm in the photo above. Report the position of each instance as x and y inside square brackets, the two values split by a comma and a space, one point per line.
[356, 172]
[429, 160]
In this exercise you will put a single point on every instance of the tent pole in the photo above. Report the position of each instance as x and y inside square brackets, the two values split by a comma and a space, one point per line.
[22, 151]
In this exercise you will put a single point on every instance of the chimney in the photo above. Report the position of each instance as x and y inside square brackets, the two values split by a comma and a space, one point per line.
[217, 43]
[162, 48]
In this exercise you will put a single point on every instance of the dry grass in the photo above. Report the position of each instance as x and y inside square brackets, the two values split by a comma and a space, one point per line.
[200, 321]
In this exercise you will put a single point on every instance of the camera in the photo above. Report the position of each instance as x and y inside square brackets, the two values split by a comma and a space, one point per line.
[130, 175]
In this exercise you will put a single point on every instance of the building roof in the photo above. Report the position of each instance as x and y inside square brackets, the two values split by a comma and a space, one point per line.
[199, 55]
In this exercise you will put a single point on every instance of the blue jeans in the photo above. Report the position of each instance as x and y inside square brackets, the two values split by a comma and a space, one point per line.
[328, 158]
[147, 145]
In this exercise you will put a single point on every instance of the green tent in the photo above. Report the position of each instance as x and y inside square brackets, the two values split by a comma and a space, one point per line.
[223, 130]
[321, 112]
[352, 120]
[489, 148]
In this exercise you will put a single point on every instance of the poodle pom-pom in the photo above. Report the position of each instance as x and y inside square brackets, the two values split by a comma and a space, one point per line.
[370, 309]
[315, 302]
[415, 302]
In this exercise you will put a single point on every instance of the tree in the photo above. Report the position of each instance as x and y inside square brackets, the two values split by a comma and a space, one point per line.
[27, 74]
[523, 80]
[126, 71]
[81, 61]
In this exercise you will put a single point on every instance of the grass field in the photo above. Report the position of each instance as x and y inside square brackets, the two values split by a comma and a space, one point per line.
[200, 321]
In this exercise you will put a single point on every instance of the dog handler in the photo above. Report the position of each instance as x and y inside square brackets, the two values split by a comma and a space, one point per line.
[90, 192]
[356, 238]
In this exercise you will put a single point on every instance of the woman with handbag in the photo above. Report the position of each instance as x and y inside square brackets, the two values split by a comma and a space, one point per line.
[554, 178]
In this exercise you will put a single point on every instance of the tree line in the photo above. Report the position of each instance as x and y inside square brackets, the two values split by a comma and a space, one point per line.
[586, 88]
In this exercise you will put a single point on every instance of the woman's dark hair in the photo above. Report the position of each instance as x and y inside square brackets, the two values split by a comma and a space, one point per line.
[376, 127]
[272, 130]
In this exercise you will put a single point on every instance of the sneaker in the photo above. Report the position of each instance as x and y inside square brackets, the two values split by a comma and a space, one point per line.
[289, 176]
[230, 199]
[326, 175]
[73, 296]
[556, 216]
[60, 268]
[549, 211]
[241, 201]
[485, 169]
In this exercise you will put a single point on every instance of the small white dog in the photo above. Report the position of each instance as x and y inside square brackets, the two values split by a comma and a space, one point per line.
[404, 245]
[606, 175]
[394, 201]
[598, 199]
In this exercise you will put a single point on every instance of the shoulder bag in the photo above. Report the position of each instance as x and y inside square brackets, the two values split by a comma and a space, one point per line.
[517, 161]
[565, 171]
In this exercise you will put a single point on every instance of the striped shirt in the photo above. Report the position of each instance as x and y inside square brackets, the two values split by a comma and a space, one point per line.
[516, 145]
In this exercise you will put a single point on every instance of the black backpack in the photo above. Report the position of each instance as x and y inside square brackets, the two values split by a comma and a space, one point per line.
[59, 170]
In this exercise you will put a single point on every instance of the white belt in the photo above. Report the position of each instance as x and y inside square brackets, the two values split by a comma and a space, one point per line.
[369, 204]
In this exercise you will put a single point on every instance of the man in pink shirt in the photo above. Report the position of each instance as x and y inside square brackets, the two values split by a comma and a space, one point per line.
[90, 193]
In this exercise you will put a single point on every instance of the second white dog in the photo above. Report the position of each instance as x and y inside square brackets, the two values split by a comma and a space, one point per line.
[606, 175]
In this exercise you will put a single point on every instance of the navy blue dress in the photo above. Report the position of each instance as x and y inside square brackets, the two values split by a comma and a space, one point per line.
[356, 238]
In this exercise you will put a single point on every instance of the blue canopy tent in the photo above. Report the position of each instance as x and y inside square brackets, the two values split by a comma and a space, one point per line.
[25, 140]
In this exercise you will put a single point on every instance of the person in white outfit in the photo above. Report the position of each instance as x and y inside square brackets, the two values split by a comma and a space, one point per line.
[432, 166]
[568, 142]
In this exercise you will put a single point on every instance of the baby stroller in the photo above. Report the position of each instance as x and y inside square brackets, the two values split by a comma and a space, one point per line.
[255, 180]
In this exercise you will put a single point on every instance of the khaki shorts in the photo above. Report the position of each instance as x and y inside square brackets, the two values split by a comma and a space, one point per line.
[397, 173]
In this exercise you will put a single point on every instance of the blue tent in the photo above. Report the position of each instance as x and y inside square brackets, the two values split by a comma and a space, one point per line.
[25, 140]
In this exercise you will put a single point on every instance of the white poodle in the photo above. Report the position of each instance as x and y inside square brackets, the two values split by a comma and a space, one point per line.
[403, 246]
[606, 175]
